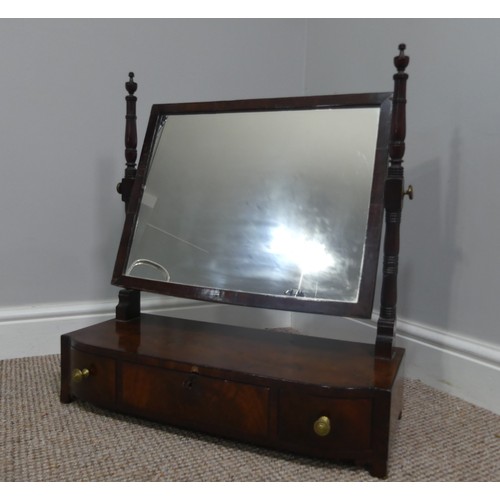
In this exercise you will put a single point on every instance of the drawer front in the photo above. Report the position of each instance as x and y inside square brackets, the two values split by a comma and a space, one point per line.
[92, 377]
[223, 406]
[324, 423]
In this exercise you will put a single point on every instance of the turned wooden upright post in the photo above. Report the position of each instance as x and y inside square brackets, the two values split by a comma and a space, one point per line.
[125, 186]
[129, 305]
[393, 203]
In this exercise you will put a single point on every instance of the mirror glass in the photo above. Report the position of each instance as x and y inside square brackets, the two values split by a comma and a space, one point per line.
[275, 203]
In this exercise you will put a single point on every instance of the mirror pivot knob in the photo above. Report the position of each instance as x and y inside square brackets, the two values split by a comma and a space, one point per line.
[409, 192]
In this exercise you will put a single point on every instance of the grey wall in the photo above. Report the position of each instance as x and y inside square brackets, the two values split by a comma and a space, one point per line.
[450, 247]
[62, 127]
[61, 141]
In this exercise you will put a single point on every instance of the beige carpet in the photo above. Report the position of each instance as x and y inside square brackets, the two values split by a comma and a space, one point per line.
[440, 438]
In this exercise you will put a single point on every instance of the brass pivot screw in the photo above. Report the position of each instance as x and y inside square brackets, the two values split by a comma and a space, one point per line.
[322, 426]
[79, 375]
[409, 192]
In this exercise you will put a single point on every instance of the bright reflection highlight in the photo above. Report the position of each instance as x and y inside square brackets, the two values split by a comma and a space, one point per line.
[309, 255]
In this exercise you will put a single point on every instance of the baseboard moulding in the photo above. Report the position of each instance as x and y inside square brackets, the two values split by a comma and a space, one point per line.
[36, 330]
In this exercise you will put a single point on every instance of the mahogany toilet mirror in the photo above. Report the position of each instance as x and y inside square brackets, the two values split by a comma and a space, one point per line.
[272, 203]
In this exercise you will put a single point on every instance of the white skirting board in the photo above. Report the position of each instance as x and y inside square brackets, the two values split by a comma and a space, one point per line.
[456, 365]
[452, 363]
[36, 330]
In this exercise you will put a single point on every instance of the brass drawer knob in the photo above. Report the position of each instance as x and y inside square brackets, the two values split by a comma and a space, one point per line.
[322, 426]
[79, 375]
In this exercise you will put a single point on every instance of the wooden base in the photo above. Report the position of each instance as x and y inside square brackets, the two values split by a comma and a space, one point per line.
[272, 389]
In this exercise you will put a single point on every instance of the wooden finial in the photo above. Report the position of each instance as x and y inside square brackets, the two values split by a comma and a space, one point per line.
[401, 60]
[131, 86]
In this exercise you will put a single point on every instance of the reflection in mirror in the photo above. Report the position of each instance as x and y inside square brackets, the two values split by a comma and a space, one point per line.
[273, 202]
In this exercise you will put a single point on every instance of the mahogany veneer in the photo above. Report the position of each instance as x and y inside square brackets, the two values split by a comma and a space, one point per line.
[259, 386]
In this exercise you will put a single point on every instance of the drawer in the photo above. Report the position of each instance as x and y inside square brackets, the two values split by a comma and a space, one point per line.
[324, 423]
[216, 405]
[92, 377]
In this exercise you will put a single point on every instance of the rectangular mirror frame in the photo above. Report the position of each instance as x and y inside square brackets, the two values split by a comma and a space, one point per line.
[364, 305]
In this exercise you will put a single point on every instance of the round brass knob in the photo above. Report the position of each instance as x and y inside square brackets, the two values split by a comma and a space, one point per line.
[409, 192]
[79, 375]
[322, 426]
